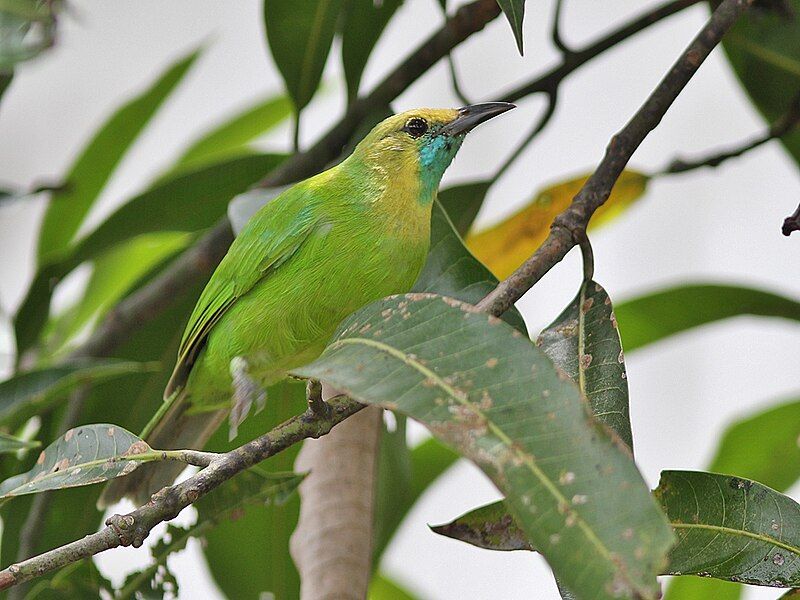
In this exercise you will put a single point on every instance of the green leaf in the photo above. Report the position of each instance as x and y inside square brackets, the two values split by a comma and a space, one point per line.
[114, 274]
[748, 449]
[256, 486]
[10, 444]
[451, 270]
[190, 202]
[383, 588]
[231, 138]
[490, 527]
[33, 392]
[655, 316]
[300, 36]
[5, 82]
[82, 456]
[485, 389]
[763, 51]
[97, 162]
[256, 542]
[363, 24]
[584, 342]
[462, 203]
[731, 528]
[26, 29]
[515, 12]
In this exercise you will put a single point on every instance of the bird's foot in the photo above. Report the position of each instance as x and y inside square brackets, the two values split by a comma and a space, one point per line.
[246, 392]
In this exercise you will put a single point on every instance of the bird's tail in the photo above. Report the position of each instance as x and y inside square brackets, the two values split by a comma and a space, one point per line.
[173, 427]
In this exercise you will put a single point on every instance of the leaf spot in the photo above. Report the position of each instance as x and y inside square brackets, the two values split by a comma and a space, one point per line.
[566, 478]
[68, 435]
[491, 363]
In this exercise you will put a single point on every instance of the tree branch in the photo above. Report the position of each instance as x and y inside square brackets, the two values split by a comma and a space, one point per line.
[782, 126]
[131, 529]
[569, 226]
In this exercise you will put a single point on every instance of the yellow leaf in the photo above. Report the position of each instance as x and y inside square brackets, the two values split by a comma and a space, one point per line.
[506, 245]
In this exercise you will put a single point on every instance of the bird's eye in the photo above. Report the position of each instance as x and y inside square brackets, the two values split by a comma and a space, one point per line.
[416, 127]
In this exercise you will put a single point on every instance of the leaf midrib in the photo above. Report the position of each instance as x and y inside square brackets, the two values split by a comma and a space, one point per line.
[526, 459]
[738, 532]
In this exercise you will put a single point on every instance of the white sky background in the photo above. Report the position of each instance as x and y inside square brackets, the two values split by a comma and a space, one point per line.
[719, 225]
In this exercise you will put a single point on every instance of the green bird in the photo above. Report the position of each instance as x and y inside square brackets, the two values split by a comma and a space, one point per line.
[322, 249]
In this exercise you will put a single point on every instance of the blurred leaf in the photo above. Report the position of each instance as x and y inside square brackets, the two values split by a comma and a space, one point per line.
[763, 51]
[97, 162]
[584, 342]
[485, 389]
[506, 245]
[115, 272]
[190, 202]
[655, 316]
[731, 528]
[26, 29]
[451, 270]
[393, 486]
[490, 527]
[749, 447]
[5, 81]
[429, 460]
[515, 12]
[383, 588]
[300, 36]
[10, 444]
[129, 400]
[78, 580]
[32, 392]
[363, 24]
[256, 486]
[256, 542]
[82, 456]
[462, 203]
[231, 138]
[688, 587]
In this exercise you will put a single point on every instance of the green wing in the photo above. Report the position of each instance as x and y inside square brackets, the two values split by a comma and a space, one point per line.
[268, 240]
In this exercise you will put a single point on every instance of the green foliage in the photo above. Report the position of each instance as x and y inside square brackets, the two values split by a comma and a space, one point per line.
[256, 541]
[451, 270]
[526, 433]
[462, 203]
[731, 528]
[10, 444]
[763, 51]
[300, 36]
[658, 315]
[362, 25]
[35, 392]
[515, 13]
[231, 139]
[90, 172]
[27, 28]
[584, 342]
[84, 455]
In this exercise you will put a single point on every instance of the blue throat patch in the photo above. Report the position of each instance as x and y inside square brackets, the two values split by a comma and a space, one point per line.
[434, 157]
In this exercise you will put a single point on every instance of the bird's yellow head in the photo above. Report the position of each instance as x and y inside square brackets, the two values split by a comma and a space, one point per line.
[422, 142]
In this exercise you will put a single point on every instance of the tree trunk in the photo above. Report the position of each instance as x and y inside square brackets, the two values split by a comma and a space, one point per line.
[332, 544]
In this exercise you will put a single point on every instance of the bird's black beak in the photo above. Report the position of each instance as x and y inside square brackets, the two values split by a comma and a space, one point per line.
[473, 115]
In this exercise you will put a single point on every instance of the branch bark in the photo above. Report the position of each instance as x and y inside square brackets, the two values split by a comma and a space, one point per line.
[569, 227]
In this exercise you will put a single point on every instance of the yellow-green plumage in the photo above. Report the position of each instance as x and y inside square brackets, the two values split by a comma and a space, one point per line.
[319, 251]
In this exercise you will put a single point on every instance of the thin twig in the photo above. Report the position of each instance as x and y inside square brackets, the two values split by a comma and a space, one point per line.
[454, 82]
[782, 126]
[567, 228]
[555, 33]
[791, 223]
[131, 529]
